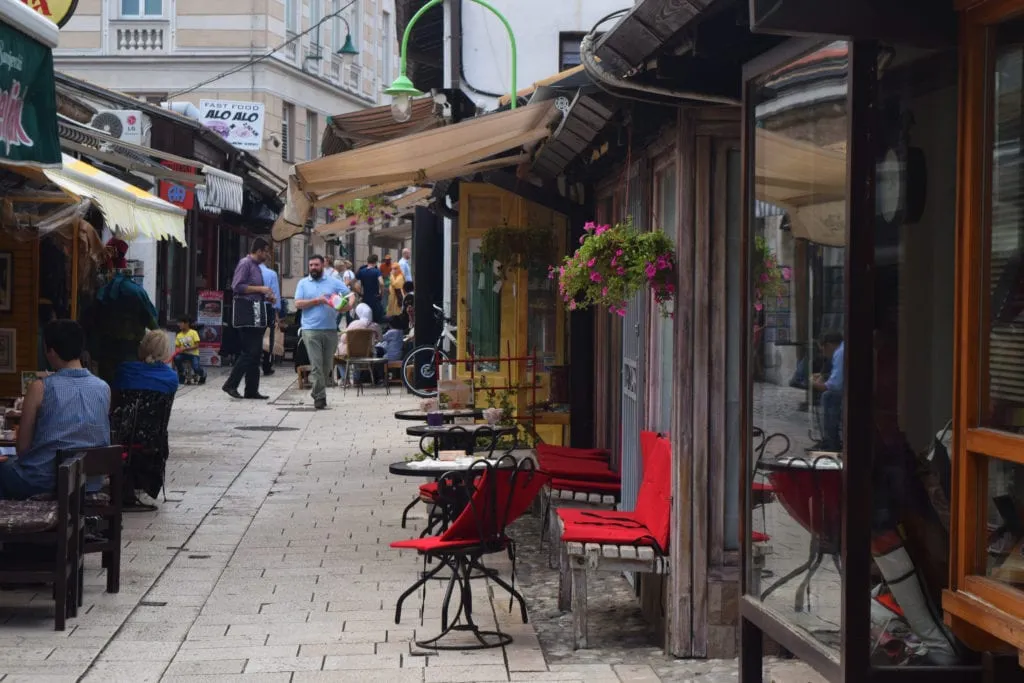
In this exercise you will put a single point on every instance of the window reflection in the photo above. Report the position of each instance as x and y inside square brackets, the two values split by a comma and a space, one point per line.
[799, 369]
[797, 256]
[484, 304]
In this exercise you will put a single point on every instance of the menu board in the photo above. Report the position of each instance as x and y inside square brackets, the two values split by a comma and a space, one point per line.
[210, 325]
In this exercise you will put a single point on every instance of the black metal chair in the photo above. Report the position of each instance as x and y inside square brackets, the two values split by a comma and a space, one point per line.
[493, 496]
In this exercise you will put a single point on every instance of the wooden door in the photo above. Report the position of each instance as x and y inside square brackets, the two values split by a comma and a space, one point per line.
[986, 598]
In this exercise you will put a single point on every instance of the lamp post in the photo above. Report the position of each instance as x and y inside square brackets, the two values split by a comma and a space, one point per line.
[402, 90]
[346, 51]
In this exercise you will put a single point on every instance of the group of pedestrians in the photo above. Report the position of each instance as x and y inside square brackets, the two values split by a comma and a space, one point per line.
[257, 305]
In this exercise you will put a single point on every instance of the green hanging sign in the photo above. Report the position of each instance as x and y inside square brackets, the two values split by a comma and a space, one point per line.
[28, 101]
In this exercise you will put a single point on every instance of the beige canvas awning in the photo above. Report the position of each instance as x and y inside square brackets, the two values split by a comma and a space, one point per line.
[461, 149]
[806, 180]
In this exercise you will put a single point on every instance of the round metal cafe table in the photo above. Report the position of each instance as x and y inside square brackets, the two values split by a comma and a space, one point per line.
[448, 415]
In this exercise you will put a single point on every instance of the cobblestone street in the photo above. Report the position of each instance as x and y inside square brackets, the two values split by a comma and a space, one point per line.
[269, 561]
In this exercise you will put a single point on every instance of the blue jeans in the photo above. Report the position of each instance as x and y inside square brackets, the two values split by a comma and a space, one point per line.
[187, 358]
[831, 419]
[13, 486]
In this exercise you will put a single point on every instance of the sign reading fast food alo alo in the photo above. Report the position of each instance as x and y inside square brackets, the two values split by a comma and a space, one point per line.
[57, 11]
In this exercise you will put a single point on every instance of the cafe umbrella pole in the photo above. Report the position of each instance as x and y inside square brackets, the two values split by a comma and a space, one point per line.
[402, 90]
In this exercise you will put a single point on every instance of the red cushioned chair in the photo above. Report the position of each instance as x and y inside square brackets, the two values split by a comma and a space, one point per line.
[648, 523]
[598, 454]
[494, 496]
[579, 474]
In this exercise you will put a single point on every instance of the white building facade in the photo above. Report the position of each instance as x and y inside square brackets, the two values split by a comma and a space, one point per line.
[547, 32]
[279, 53]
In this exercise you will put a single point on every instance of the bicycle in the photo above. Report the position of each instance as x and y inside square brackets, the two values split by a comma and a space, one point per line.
[419, 369]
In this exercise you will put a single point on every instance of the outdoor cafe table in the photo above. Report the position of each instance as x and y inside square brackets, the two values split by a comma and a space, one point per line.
[461, 437]
[449, 414]
[810, 490]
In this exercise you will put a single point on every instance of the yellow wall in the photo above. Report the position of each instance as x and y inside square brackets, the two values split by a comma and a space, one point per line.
[482, 207]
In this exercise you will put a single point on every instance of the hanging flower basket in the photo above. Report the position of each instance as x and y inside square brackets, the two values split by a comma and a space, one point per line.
[517, 247]
[613, 263]
[769, 279]
[369, 210]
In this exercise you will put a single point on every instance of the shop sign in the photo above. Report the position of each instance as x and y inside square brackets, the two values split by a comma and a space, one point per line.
[211, 321]
[57, 11]
[28, 100]
[240, 123]
[180, 194]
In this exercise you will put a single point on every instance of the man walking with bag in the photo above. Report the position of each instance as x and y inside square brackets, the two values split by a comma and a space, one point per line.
[249, 317]
[319, 324]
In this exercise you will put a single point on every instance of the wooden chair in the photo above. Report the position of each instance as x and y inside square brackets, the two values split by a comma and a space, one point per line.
[360, 348]
[108, 505]
[56, 524]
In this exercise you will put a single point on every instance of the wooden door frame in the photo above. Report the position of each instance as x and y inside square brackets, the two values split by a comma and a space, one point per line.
[971, 598]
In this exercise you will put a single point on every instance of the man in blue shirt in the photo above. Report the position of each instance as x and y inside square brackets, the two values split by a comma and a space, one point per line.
[370, 278]
[405, 263]
[832, 393]
[319, 324]
[271, 280]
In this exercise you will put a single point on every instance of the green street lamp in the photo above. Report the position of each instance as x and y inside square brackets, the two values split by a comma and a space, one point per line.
[348, 50]
[402, 90]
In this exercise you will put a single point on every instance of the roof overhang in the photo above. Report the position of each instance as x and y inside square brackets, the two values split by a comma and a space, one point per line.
[644, 30]
[584, 119]
[462, 149]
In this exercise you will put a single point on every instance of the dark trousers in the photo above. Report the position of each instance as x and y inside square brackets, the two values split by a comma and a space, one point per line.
[183, 359]
[832, 420]
[248, 362]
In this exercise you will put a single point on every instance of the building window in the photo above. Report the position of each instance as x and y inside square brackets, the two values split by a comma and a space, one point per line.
[142, 8]
[291, 26]
[386, 49]
[315, 15]
[569, 50]
[287, 124]
[311, 130]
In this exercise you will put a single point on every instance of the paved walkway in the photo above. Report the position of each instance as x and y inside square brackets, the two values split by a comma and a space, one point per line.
[270, 562]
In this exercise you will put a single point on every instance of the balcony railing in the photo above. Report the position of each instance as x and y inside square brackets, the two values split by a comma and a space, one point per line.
[134, 37]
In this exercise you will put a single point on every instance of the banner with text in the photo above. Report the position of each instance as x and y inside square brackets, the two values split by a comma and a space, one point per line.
[240, 123]
[28, 101]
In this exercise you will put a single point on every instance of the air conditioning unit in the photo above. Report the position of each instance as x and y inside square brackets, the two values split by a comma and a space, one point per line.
[353, 76]
[130, 125]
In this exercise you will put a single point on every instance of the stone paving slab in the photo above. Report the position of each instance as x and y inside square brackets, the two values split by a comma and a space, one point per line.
[270, 561]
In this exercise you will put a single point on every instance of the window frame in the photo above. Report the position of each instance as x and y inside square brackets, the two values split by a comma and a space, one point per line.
[287, 132]
[142, 14]
[970, 601]
[312, 126]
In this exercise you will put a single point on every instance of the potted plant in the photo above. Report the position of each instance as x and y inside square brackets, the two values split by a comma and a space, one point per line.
[515, 247]
[613, 263]
[367, 210]
[769, 278]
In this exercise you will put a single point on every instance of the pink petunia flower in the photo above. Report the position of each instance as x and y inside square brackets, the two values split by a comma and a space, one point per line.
[591, 262]
[650, 270]
[589, 226]
[670, 288]
[595, 277]
[758, 306]
[787, 273]
[572, 305]
[604, 291]
[602, 229]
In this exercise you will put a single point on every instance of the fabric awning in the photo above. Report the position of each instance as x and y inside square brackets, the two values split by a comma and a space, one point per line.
[461, 149]
[129, 210]
[223, 191]
[806, 180]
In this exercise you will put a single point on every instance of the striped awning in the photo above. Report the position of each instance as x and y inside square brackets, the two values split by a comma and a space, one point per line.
[129, 210]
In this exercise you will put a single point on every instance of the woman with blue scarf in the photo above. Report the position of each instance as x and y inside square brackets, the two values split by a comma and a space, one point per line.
[151, 372]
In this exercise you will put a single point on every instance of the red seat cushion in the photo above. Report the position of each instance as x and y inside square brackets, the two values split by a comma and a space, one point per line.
[568, 468]
[648, 523]
[654, 500]
[762, 487]
[758, 537]
[598, 454]
[601, 526]
[434, 544]
[583, 486]
[428, 490]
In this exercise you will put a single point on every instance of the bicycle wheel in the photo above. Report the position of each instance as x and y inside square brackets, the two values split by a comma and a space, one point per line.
[419, 371]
